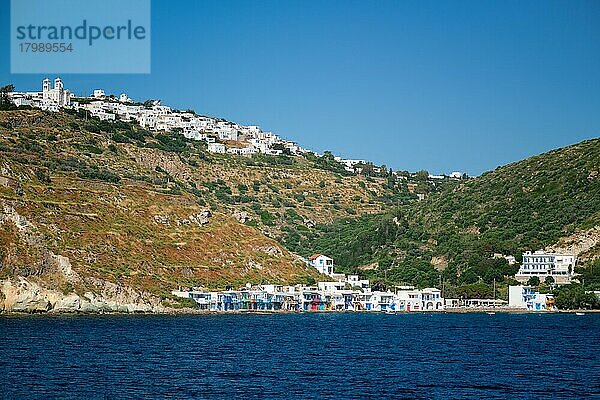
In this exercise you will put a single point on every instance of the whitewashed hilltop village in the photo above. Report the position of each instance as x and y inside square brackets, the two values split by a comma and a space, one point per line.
[154, 116]
[220, 135]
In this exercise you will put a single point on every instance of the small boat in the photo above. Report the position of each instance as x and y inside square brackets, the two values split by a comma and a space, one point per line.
[390, 312]
[491, 313]
[580, 313]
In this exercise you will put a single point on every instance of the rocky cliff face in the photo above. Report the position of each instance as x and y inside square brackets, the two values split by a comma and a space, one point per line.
[35, 293]
[585, 244]
[22, 295]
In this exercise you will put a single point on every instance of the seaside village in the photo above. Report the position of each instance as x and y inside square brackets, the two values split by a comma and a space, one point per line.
[340, 292]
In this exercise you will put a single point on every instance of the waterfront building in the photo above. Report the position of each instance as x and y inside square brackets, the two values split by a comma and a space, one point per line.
[362, 301]
[408, 298]
[451, 303]
[484, 303]
[326, 296]
[545, 264]
[382, 301]
[431, 299]
[525, 297]
[311, 299]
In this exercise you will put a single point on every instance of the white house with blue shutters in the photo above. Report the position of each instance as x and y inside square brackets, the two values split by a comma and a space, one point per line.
[322, 263]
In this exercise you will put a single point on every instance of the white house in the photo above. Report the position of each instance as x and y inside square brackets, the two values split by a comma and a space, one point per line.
[431, 299]
[274, 152]
[147, 119]
[242, 151]
[544, 264]
[408, 298]
[123, 98]
[331, 286]
[21, 99]
[511, 259]
[524, 297]
[382, 301]
[216, 147]
[104, 116]
[438, 177]
[355, 281]
[98, 93]
[322, 263]
[227, 134]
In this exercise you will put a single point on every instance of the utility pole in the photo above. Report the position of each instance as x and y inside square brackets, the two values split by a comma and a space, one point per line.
[494, 292]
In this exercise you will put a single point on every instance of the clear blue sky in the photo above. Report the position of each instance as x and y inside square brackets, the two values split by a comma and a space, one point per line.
[442, 86]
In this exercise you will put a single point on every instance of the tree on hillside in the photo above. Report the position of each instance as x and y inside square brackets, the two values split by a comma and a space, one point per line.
[328, 156]
[533, 281]
[5, 101]
[590, 275]
[383, 171]
[379, 285]
[367, 169]
[422, 175]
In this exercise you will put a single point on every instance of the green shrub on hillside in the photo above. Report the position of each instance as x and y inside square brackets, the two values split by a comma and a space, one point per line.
[99, 174]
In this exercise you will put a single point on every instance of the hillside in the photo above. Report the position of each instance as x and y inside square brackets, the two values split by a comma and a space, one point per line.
[88, 205]
[109, 215]
[550, 200]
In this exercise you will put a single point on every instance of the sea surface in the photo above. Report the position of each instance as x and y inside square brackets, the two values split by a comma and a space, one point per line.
[301, 356]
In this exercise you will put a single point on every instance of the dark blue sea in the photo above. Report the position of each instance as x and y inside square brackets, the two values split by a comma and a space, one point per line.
[359, 355]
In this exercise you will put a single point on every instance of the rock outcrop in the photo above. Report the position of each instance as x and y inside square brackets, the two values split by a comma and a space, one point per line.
[22, 295]
[581, 244]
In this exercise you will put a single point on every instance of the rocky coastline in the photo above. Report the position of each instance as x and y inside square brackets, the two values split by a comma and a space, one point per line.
[21, 295]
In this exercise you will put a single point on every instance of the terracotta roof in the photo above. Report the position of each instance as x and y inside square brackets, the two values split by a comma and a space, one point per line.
[313, 257]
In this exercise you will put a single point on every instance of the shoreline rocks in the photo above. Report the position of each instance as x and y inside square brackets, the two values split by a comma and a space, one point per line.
[24, 296]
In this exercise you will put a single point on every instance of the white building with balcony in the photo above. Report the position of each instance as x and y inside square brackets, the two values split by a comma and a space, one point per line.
[526, 298]
[544, 264]
[355, 281]
[408, 298]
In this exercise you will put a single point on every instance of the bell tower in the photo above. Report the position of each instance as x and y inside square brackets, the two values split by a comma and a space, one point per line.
[46, 89]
